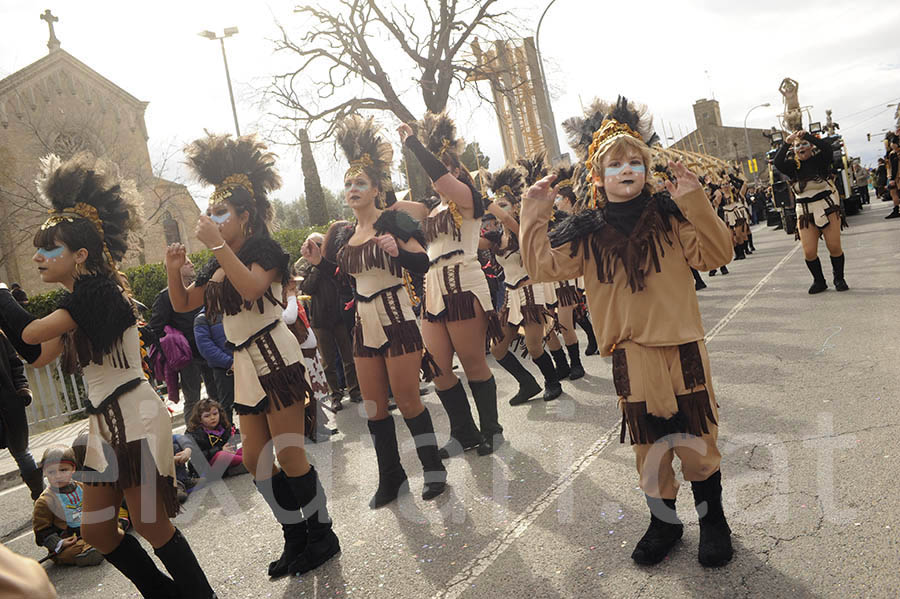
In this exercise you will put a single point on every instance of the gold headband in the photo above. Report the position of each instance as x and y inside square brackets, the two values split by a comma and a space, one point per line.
[84, 211]
[609, 130]
[359, 166]
[506, 190]
[444, 147]
[565, 183]
[226, 188]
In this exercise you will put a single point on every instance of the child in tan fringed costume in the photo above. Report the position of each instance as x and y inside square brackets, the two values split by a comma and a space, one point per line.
[635, 251]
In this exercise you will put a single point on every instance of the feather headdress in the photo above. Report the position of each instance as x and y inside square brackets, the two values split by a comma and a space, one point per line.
[509, 183]
[437, 132]
[366, 150]
[580, 129]
[535, 167]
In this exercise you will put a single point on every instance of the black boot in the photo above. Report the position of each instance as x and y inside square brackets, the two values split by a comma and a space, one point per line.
[286, 509]
[322, 544]
[837, 267]
[698, 280]
[576, 371]
[815, 267]
[485, 395]
[552, 388]
[585, 323]
[528, 386]
[750, 242]
[739, 252]
[35, 482]
[422, 431]
[464, 435]
[724, 270]
[895, 213]
[664, 531]
[391, 476]
[712, 273]
[180, 561]
[130, 559]
[715, 535]
[562, 365]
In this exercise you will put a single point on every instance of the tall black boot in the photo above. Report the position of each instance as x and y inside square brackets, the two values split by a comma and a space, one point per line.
[585, 323]
[895, 213]
[35, 482]
[422, 431]
[485, 395]
[750, 242]
[180, 561]
[464, 435]
[286, 509]
[747, 250]
[739, 252]
[815, 267]
[391, 476]
[724, 270]
[576, 371]
[552, 388]
[323, 544]
[698, 280]
[528, 386]
[562, 365]
[837, 267]
[130, 559]
[664, 531]
[715, 535]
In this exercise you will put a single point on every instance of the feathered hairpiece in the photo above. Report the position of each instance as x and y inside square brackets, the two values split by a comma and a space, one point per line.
[234, 164]
[625, 119]
[508, 182]
[662, 172]
[366, 150]
[565, 181]
[535, 167]
[437, 132]
[85, 187]
[580, 129]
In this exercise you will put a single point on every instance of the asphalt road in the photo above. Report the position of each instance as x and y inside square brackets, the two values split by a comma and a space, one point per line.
[809, 423]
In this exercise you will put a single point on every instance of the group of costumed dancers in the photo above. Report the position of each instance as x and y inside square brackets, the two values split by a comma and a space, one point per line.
[603, 234]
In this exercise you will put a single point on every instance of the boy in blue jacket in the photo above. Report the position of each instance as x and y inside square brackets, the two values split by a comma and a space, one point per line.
[212, 344]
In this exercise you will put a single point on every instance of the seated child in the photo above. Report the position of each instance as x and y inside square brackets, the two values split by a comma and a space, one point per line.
[184, 480]
[57, 512]
[210, 431]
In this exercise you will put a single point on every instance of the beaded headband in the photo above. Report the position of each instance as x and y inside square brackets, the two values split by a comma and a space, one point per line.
[609, 130]
[226, 188]
[84, 211]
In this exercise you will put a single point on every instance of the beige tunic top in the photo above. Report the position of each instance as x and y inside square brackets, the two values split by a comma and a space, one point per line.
[664, 311]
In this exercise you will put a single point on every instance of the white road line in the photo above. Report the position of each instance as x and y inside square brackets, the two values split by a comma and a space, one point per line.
[460, 583]
[10, 490]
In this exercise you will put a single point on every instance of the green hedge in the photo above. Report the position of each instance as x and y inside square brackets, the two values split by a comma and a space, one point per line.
[148, 280]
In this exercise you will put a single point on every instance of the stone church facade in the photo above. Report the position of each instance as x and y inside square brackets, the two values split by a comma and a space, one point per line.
[60, 105]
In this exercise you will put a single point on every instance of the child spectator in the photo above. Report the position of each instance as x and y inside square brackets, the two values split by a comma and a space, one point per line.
[183, 479]
[57, 512]
[210, 431]
[213, 346]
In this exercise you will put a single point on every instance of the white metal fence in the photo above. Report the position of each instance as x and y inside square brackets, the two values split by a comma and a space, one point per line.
[57, 397]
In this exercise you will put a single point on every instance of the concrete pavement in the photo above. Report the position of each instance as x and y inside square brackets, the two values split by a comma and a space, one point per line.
[807, 387]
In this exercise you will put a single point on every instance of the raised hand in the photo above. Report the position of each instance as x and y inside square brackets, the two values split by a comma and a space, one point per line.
[388, 244]
[542, 193]
[685, 181]
[208, 232]
[311, 252]
[405, 131]
[176, 256]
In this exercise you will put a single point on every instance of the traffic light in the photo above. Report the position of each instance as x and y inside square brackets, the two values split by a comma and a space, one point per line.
[869, 136]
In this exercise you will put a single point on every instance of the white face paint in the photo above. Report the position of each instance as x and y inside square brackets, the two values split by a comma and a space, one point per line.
[220, 219]
[51, 255]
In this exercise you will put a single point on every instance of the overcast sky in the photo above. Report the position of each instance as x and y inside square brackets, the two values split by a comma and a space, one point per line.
[845, 55]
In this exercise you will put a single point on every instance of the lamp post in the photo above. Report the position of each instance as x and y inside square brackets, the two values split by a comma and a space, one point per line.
[229, 31]
[747, 133]
[537, 44]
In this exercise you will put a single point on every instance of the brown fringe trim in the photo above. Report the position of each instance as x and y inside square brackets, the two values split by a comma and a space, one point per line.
[620, 373]
[567, 295]
[696, 410]
[430, 369]
[460, 306]
[638, 253]
[556, 328]
[403, 338]
[285, 386]
[354, 259]
[494, 327]
[691, 365]
[441, 224]
[535, 314]
[222, 298]
[691, 418]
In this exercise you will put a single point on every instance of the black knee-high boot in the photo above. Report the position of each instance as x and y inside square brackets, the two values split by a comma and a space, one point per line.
[464, 435]
[528, 386]
[182, 564]
[422, 430]
[485, 395]
[815, 268]
[286, 508]
[391, 476]
[576, 370]
[750, 242]
[664, 531]
[552, 388]
[130, 559]
[698, 280]
[562, 365]
[715, 535]
[837, 266]
[739, 252]
[585, 323]
[322, 544]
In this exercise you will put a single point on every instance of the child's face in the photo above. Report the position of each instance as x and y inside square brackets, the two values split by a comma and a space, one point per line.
[210, 419]
[59, 474]
[624, 175]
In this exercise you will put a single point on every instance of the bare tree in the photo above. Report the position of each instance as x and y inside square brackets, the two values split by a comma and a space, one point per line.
[315, 197]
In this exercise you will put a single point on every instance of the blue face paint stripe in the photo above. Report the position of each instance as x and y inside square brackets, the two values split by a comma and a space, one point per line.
[51, 254]
[220, 219]
[612, 171]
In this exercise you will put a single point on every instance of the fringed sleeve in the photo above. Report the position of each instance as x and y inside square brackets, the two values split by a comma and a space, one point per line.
[705, 238]
[543, 263]
[102, 313]
[401, 225]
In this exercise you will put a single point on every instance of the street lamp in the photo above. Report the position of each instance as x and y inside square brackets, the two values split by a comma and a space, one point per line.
[537, 44]
[747, 134]
[229, 31]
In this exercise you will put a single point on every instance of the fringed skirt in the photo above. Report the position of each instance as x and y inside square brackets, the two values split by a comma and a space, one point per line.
[130, 443]
[561, 293]
[526, 304]
[451, 291]
[817, 212]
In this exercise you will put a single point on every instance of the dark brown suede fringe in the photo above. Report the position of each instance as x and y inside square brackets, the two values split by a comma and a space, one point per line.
[567, 295]
[691, 419]
[494, 327]
[430, 369]
[691, 365]
[354, 259]
[697, 411]
[285, 386]
[223, 298]
[439, 224]
[620, 373]
[403, 338]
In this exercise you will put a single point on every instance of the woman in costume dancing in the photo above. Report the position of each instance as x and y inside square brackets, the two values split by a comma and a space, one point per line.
[242, 284]
[387, 344]
[129, 446]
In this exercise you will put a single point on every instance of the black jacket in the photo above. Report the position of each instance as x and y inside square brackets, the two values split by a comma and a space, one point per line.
[321, 284]
[209, 445]
[164, 314]
[13, 383]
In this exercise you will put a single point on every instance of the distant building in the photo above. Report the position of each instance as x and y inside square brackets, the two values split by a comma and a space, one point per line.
[60, 105]
[727, 143]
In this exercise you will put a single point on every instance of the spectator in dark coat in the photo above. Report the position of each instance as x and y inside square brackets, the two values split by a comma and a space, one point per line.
[213, 346]
[19, 294]
[190, 376]
[15, 395]
[328, 320]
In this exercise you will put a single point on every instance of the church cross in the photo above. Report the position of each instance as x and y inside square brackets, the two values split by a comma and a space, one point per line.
[53, 43]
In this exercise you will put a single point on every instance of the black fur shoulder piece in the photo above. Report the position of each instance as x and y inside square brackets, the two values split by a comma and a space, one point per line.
[264, 251]
[667, 205]
[558, 217]
[575, 226]
[339, 233]
[400, 225]
[102, 314]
